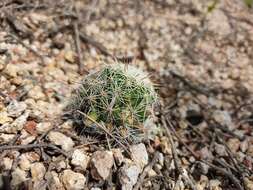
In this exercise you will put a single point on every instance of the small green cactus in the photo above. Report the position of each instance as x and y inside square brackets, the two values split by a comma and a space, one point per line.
[119, 97]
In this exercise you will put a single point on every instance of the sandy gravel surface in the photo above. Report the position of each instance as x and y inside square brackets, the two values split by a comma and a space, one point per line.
[201, 62]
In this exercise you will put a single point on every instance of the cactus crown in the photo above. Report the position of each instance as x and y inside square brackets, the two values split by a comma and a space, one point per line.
[118, 96]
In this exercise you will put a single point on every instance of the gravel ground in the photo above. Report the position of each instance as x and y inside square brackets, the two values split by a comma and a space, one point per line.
[199, 55]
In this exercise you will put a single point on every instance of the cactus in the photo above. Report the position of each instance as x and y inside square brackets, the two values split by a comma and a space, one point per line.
[119, 97]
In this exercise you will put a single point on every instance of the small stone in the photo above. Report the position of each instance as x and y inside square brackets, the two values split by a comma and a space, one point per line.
[203, 179]
[6, 137]
[26, 160]
[239, 133]
[152, 173]
[179, 185]
[250, 151]
[60, 139]
[240, 156]
[101, 164]
[95, 188]
[222, 28]
[19, 122]
[205, 153]
[204, 168]
[79, 158]
[36, 93]
[151, 129]
[61, 165]
[248, 183]
[139, 154]
[6, 163]
[161, 159]
[38, 171]
[4, 118]
[73, 180]
[188, 31]
[118, 156]
[38, 18]
[16, 108]
[223, 118]
[220, 149]
[70, 56]
[214, 184]
[244, 145]
[53, 181]
[202, 183]
[233, 144]
[214, 102]
[40, 184]
[185, 162]
[128, 176]
[158, 167]
[165, 146]
[12, 70]
[67, 125]
[43, 127]
[26, 138]
[192, 159]
[18, 176]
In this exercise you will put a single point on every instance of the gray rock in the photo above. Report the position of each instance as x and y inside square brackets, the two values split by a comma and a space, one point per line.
[38, 171]
[222, 28]
[223, 118]
[95, 188]
[19, 123]
[4, 118]
[128, 175]
[151, 129]
[26, 160]
[214, 184]
[244, 145]
[233, 144]
[101, 164]
[79, 158]
[36, 93]
[60, 139]
[53, 181]
[204, 168]
[139, 155]
[26, 138]
[16, 108]
[161, 159]
[73, 180]
[6, 137]
[220, 149]
[6, 163]
[18, 176]
[43, 127]
[118, 156]
[40, 184]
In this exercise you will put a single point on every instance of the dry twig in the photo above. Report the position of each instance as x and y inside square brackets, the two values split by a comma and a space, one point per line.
[181, 171]
[31, 146]
[96, 44]
[81, 68]
[229, 174]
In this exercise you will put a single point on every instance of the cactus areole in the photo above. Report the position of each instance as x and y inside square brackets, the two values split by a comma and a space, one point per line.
[119, 97]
